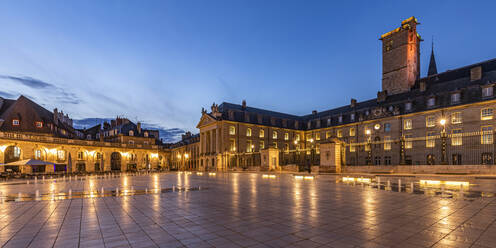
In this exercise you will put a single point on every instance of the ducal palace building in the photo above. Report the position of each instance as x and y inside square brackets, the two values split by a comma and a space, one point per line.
[442, 119]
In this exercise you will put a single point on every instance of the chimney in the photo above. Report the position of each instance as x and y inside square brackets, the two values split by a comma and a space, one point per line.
[139, 127]
[381, 96]
[314, 112]
[55, 116]
[243, 105]
[353, 102]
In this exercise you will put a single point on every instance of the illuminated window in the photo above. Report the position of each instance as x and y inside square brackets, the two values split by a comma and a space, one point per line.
[99, 155]
[274, 135]
[37, 154]
[297, 138]
[487, 91]
[262, 133]
[486, 135]
[286, 136]
[430, 140]
[317, 148]
[352, 131]
[317, 136]
[328, 134]
[39, 124]
[431, 102]
[232, 145]
[408, 141]
[455, 97]
[487, 114]
[131, 142]
[261, 144]
[80, 155]
[249, 146]
[387, 143]
[15, 122]
[352, 148]
[131, 133]
[275, 144]
[248, 132]
[387, 127]
[60, 155]
[17, 152]
[430, 121]
[146, 134]
[407, 124]
[456, 137]
[340, 133]
[232, 130]
[456, 118]
[328, 121]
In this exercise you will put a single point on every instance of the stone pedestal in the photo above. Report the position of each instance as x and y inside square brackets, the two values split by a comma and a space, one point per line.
[270, 159]
[330, 157]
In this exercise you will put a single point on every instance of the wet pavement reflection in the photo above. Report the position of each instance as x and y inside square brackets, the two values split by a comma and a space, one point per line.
[240, 210]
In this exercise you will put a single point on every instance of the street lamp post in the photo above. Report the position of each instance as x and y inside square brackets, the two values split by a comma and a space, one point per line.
[443, 141]
[369, 145]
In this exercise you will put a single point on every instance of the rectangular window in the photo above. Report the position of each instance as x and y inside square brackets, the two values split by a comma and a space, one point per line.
[456, 118]
[37, 154]
[486, 135]
[487, 91]
[340, 118]
[430, 140]
[61, 155]
[387, 143]
[408, 106]
[249, 146]
[15, 122]
[328, 134]
[286, 136]
[232, 145]
[487, 114]
[261, 144]
[456, 137]
[248, 132]
[387, 127]
[286, 147]
[297, 138]
[352, 148]
[387, 160]
[275, 145]
[431, 102]
[352, 116]
[274, 135]
[340, 133]
[487, 158]
[430, 121]
[262, 133]
[39, 124]
[407, 124]
[408, 141]
[317, 136]
[328, 121]
[232, 130]
[352, 131]
[455, 98]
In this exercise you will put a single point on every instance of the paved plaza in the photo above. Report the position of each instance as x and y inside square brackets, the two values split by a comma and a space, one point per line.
[240, 210]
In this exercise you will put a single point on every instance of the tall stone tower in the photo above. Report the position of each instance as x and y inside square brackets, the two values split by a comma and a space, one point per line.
[400, 57]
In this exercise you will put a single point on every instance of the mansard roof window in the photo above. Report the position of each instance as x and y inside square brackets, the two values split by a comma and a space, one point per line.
[408, 106]
[431, 101]
[340, 119]
[487, 91]
[39, 124]
[352, 116]
[16, 122]
[329, 121]
[455, 97]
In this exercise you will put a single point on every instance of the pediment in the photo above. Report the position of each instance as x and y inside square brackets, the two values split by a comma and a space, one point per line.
[205, 120]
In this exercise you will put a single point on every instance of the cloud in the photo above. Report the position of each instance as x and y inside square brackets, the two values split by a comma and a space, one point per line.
[29, 81]
[57, 93]
[7, 95]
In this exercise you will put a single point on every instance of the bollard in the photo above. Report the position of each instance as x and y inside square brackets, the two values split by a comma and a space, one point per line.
[27, 182]
[19, 196]
[146, 191]
[43, 179]
[388, 185]
[70, 193]
[116, 191]
[36, 179]
[37, 195]
[173, 188]
[75, 177]
[412, 187]
[378, 183]
[64, 178]
[399, 185]
[103, 191]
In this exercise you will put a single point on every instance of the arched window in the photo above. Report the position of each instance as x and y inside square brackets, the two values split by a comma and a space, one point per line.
[60, 155]
[262, 133]
[37, 154]
[274, 135]
[248, 132]
[232, 130]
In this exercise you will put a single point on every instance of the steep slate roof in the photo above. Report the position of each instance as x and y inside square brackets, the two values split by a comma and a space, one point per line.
[440, 86]
[28, 112]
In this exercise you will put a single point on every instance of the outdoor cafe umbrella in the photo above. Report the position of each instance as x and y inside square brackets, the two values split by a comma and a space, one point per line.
[28, 162]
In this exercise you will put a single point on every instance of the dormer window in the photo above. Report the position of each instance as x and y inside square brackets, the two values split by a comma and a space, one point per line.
[408, 106]
[232, 130]
[487, 91]
[274, 135]
[39, 124]
[455, 97]
[309, 125]
[88, 136]
[131, 133]
[328, 121]
[431, 102]
[15, 122]
[340, 118]
[352, 117]
[146, 134]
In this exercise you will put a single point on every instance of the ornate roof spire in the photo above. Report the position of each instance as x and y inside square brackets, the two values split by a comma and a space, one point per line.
[432, 63]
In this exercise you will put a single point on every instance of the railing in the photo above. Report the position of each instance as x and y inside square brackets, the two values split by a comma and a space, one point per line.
[56, 140]
[474, 148]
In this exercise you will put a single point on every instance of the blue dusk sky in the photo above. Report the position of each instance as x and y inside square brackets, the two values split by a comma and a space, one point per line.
[162, 61]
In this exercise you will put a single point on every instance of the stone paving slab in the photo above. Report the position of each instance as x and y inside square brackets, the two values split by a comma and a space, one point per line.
[243, 210]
